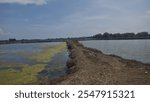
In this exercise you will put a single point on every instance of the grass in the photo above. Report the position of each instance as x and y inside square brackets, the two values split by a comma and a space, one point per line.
[28, 73]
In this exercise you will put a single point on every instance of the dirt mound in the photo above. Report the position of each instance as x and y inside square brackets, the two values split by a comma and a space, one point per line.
[91, 66]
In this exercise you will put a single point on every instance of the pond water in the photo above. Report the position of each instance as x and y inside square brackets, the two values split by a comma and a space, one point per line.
[25, 47]
[12, 52]
[56, 67]
[12, 56]
[130, 49]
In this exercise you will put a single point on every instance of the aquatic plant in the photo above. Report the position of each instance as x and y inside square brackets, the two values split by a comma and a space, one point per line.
[8, 64]
[28, 75]
[47, 53]
[1, 53]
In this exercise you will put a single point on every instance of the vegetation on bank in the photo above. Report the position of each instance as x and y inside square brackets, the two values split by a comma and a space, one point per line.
[119, 36]
[28, 73]
[99, 36]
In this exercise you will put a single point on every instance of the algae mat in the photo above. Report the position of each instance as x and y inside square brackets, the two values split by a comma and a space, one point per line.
[27, 73]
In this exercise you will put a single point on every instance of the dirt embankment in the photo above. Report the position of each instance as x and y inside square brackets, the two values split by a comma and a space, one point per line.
[91, 66]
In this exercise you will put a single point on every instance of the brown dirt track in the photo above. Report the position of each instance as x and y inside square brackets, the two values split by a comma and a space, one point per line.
[91, 67]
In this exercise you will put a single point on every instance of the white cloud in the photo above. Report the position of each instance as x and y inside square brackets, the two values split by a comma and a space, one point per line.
[111, 18]
[148, 12]
[24, 2]
[2, 31]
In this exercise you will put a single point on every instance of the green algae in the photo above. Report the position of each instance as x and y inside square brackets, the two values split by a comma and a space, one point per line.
[12, 65]
[1, 53]
[28, 73]
[47, 53]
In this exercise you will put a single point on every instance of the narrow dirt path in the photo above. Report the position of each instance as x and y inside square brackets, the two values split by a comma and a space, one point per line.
[90, 66]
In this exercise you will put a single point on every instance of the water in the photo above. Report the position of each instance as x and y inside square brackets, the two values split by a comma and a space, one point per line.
[130, 49]
[57, 67]
[26, 47]
[13, 53]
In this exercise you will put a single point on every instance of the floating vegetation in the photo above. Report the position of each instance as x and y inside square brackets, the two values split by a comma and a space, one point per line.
[28, 75]
[46, 54]
[28, 72]
[6, 64]
[2, 53]
[56, 67]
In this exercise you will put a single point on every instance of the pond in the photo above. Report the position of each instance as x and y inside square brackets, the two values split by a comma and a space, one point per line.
[130, 49]
[23, 63]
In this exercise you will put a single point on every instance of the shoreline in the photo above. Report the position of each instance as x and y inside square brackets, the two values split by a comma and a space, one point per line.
[88, 66]
[61, 40]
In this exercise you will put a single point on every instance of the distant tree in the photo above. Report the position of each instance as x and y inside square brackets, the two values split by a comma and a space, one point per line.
[142, 34]
[12, 40]
[117, 36]
[98, 35]
[109, 36]
[106, 35]
[128, 35]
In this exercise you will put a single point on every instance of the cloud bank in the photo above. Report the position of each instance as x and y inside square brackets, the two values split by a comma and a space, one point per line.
[24, 2]
[72, 18]
[2, 31]
[99, 16]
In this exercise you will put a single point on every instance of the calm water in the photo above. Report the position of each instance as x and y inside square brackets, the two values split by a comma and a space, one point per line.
[12, 53]
[130, 49]
[26, 47]
[57, 67]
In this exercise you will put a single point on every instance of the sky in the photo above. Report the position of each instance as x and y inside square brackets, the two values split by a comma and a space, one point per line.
[40, 19]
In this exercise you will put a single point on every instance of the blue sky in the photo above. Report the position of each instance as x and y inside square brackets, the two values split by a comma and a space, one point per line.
[28, 19]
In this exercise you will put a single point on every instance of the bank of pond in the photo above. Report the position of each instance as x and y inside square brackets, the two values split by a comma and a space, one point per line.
[25, 63]
[29, 63]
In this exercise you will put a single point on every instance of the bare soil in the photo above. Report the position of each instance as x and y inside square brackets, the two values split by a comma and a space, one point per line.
[88, 66]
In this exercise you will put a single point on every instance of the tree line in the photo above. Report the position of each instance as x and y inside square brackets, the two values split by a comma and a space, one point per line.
[104, 36]
[117, 36]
